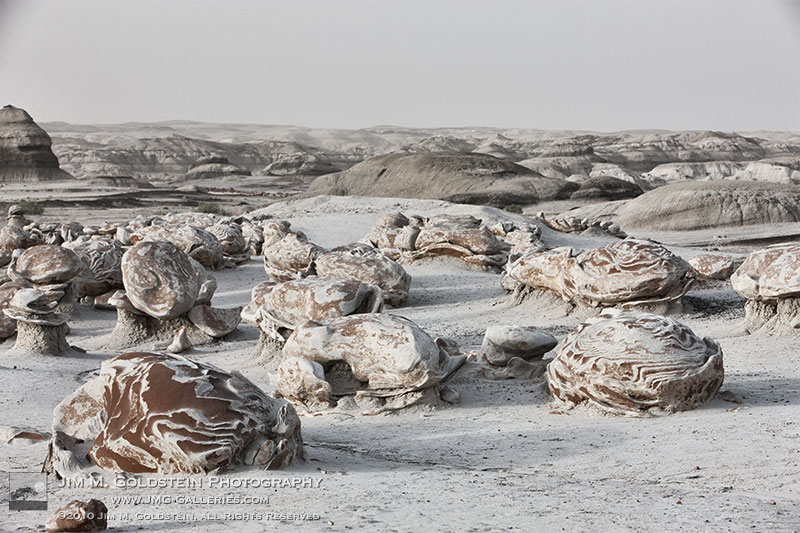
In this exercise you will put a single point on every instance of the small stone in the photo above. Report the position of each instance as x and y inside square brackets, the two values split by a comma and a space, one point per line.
[79, 516]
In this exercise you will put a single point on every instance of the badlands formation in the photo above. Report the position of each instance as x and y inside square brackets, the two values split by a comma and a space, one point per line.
[596, 350]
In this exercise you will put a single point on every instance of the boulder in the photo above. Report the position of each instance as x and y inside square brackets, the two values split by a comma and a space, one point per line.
[369, 266]
[628, 272]
[78, 515]
[386, 356]
[503, 343]
[159, 279]
[630, 363]
[163, 414]
[770, 280]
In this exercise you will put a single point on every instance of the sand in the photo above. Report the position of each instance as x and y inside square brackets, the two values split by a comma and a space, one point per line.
[504, 459]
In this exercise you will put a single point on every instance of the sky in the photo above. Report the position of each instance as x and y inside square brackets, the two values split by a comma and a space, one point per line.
[552, 64]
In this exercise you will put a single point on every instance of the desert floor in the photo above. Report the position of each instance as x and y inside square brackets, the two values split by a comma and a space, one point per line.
[505, 458]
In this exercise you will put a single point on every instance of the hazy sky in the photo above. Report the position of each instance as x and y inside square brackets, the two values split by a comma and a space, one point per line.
[555, 64]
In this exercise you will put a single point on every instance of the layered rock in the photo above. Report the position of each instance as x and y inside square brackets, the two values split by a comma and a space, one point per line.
[25, 149]
[166, 290]
[627, 273]
[770, 280]
[301, 164]
[632, 363]
[606, 188]
[103, 261]
[415, 238]
[42, 304]
[387, 358]
[698, 205]
[214, 167]
[457, 177]
[161, 414]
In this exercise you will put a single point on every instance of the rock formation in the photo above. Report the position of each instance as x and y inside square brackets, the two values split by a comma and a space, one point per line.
[606, 188]
[387, 358]
[415, 238]
[166, 290]
[515, 351]
[103, 260]
[629, 363]
[629, 272]
[292, 257]
[457, 177]
[712, 266]
[300, 164]
[214, 167]
[25, 149]
[42, 304]
[369, 266]
[698, 205]
[276, 309]
[78, 515]
[162, 414]
[770, 280]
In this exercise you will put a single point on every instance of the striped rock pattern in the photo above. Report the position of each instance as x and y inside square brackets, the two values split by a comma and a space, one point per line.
[769, 273]
[278, 308]
[628, 271]
[369, 266]
[712, 266]
[626, 363]
[390, 354]
[156, 413]
[159, 279]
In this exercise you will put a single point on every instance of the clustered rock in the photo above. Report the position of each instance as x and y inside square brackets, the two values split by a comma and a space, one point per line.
[414, 238]
[566, 223]
[291, 256]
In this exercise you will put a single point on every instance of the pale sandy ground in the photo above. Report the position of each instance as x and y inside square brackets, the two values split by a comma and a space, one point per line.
[505, 458]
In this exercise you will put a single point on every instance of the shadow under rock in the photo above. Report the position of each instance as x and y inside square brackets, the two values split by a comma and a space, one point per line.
[764, 390]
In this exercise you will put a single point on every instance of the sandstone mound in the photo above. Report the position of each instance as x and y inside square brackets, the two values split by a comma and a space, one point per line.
[300, 164]
[628, 272]
[607, 188]
[25, 149]
[276, 309]
[155, 413]
[215, 167]
[457, 177]
[698, 205]
[383, 356]
[628, 363]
